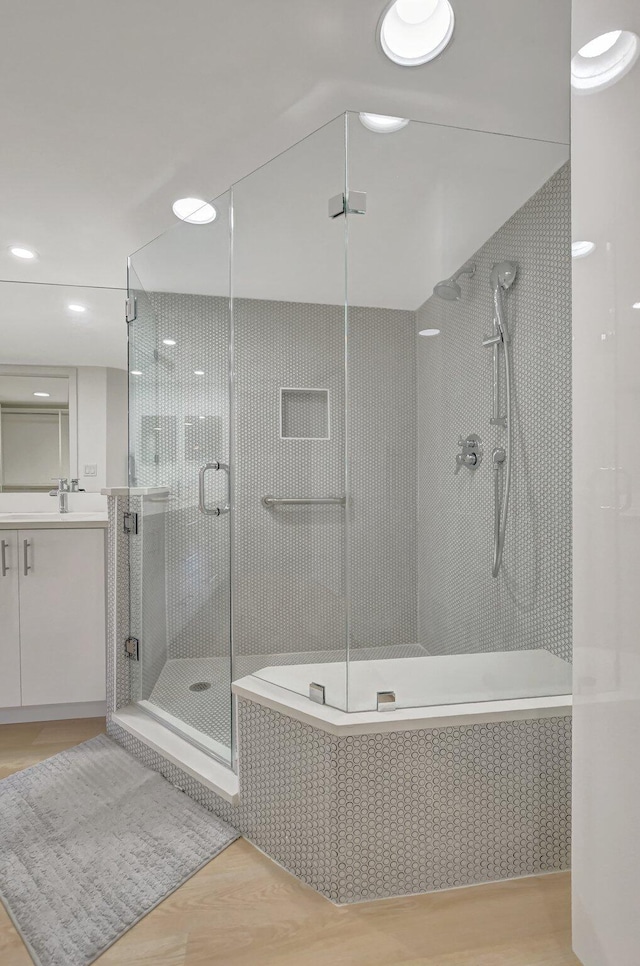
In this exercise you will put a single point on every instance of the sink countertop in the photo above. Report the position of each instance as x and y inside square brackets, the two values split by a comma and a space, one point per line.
[50, 521]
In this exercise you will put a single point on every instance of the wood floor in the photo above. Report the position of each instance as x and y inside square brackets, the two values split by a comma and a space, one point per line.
[243, 910]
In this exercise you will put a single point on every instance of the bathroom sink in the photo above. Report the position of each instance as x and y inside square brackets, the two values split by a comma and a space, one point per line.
[19, 518]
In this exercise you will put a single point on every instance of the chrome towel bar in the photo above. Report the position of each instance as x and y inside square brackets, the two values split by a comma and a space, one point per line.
[271, 501]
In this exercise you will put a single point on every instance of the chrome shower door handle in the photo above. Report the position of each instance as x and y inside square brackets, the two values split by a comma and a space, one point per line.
[3, 558]
[215, 511]
[25, 548]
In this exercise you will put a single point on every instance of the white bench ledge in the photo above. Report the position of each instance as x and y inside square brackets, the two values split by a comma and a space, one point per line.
[343, 723]
[127, 491]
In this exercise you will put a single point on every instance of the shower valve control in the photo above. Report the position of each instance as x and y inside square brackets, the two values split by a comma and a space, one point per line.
[470, 454]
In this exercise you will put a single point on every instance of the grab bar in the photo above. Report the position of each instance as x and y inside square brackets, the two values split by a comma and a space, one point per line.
[217, 510]
[270, 501]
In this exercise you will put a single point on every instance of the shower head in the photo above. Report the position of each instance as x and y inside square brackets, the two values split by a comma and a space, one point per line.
[448, 288]
[503, 274]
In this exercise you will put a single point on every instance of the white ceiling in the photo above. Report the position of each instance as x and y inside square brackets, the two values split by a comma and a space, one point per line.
[109, 112]
[39, 330]
[434, 196]
[18, 390]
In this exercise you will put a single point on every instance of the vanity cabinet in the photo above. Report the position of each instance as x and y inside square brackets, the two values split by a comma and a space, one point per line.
[52, 601]
[9, 621]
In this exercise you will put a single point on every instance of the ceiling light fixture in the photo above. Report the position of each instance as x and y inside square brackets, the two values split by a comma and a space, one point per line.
[413, 32]
[25, 253]
[195, 211]
[382, 123]
[636, 305]
[45, 395]
[76, 308]
[429, 332]
[198, 372]
[580, 249]
[168, 341]
[603, 61]
[135, 372]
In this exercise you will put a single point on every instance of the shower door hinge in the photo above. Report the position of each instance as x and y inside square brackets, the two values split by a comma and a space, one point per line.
[132, 648]
[386, 701]
[130, 308]
[130, 522]
[316, 693]
[354, 204]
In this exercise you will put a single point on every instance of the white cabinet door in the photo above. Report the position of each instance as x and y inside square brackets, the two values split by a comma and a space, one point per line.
[62, 616]
[9, 621]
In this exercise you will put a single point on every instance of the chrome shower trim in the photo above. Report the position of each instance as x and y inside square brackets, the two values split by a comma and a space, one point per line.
[448, 289]
[503, 275]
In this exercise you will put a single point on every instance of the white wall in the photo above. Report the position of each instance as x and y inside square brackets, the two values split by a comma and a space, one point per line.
[117, 427]
[606, 461]
[102, 427]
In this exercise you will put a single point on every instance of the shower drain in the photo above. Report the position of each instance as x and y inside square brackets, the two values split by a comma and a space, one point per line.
[200, 686]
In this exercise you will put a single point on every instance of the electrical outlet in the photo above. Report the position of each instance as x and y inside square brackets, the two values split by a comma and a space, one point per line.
[90, 469]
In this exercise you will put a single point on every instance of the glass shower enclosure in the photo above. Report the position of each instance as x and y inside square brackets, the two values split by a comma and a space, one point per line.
[297, 394]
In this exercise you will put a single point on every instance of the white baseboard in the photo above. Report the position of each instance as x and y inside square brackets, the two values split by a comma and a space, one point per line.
[53, 712]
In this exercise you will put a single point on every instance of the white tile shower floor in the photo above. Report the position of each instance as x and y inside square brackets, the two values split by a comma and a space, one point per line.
[208, 711]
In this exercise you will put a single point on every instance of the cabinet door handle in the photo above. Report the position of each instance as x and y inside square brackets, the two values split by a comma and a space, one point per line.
[3, 558]
[27, 566]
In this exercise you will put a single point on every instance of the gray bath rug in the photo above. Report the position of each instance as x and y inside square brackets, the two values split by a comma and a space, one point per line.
[90, 842]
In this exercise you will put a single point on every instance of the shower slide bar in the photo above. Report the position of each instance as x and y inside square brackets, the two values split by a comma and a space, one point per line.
[272, 501]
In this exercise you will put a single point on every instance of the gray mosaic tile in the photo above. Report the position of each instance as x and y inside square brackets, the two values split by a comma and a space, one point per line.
[372, 816]
[461, 607]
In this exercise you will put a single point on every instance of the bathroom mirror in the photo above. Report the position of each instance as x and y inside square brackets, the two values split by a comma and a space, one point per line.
[37, 411]
[63, 387]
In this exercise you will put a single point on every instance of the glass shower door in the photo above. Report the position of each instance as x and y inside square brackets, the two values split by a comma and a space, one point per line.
[180, 481]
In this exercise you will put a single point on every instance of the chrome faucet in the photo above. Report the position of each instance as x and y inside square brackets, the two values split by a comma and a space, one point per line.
[471, 452]
[61, 492]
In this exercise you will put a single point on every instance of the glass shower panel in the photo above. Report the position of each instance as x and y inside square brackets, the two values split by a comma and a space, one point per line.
[428, 622]
[179, 431]
[290, 607]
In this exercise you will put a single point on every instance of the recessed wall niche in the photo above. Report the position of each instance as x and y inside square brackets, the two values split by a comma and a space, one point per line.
[304, 413]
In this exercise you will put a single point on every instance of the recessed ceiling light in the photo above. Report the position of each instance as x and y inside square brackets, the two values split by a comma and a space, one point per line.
[26, 253]
[202, 417]
[194, 210]
[604, 60]
[382, 124]
[600, 45]
[636, 305]
[45, 395]
[136, 372]
[429, 332]
[198, 372]
[168, 341]
[188, 424]
[413, 32]
[73, 307]
[580, 249]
